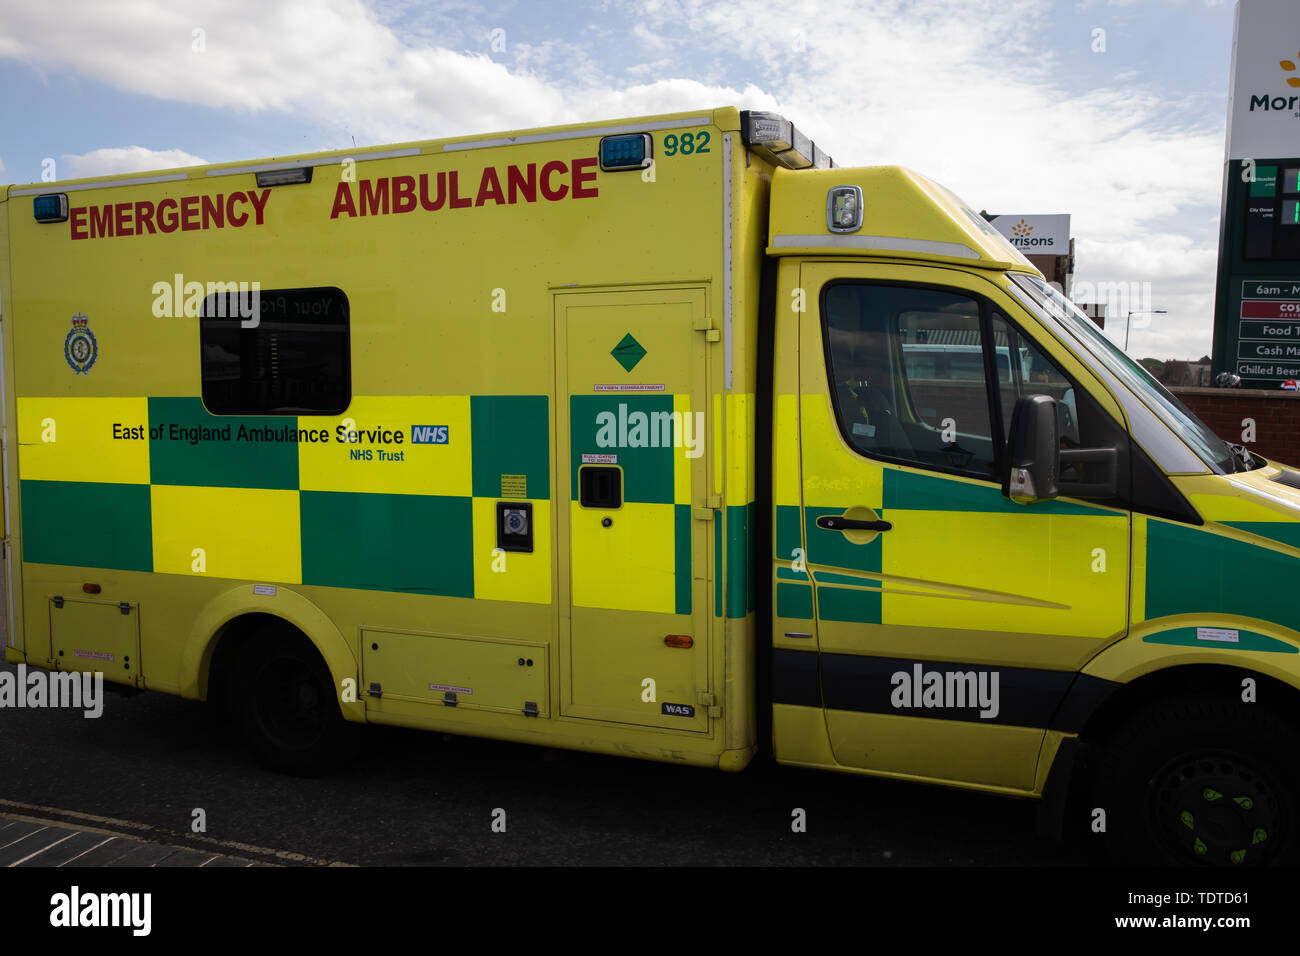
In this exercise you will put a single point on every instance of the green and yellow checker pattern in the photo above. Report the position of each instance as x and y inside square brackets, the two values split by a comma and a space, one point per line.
[957, 549]
[1249, 525]
[646, 564]
[267, 509]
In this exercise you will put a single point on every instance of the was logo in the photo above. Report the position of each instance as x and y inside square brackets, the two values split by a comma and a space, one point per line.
[80, 348]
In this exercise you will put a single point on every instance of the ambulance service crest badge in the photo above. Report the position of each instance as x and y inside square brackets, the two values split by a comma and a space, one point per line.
[80, 347]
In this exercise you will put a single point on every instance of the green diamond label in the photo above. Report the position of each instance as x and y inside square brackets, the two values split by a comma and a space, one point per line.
[628, 352]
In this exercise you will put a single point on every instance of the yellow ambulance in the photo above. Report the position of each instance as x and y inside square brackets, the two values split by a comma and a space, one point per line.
[662, 437]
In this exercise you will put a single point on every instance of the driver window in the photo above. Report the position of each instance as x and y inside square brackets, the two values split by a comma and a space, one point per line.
[908, 375]
[1023, 369]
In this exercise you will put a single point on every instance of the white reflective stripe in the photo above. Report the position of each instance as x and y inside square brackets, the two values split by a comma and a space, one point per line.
[110, 184]
[1252, 491]
[325, 161]
[893, 243]
[574, 134]
[1149, 429]
[726, 255]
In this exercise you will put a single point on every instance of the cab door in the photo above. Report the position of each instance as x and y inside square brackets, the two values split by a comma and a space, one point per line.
[634, 455]
[950, 621]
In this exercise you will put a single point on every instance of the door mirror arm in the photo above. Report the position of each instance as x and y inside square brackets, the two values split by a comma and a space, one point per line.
[1106, 461]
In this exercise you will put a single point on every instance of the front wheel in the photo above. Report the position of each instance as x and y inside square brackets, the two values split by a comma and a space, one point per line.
[1202, 780]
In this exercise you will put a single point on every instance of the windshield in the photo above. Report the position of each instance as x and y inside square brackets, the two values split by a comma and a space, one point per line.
[1213, 450]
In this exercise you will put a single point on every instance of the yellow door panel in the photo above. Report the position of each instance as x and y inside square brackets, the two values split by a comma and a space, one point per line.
[633, 460]
[991, 755]
[945, 586]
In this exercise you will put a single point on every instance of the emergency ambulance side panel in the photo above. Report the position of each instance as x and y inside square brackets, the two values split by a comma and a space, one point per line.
[11, 586]
[422, 283]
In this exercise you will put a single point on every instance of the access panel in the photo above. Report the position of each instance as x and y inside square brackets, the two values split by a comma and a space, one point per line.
[91, 636]
[444, 670]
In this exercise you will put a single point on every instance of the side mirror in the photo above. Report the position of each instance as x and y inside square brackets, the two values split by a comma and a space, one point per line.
[1033, 451]
[1035, 458]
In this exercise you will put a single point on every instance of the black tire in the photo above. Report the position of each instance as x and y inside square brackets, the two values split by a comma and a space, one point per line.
[288, 707]
[1201, 780]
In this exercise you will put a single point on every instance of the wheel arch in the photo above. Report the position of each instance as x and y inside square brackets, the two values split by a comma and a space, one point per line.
[230, 619]
[1177, 680]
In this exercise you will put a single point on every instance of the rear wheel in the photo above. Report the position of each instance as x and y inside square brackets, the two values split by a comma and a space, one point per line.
[1202, 780]
[288, 707]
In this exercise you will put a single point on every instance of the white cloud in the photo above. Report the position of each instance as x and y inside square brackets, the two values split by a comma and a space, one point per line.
[332, 61]
[963, 92]
[124, 159]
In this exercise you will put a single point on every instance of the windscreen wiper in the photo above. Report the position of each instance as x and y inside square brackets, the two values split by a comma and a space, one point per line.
[1241, 454]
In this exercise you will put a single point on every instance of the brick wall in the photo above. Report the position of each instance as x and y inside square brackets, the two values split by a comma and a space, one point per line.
[1276, 415]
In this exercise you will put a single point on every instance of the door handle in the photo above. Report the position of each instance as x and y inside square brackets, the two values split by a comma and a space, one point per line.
[838, 523]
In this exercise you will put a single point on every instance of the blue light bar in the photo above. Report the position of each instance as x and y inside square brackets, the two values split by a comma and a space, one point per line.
[52, 207]
[628, 151]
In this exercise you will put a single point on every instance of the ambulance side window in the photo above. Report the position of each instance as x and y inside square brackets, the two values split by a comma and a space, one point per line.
[276, 352]
[1030, 372]
[908, 379]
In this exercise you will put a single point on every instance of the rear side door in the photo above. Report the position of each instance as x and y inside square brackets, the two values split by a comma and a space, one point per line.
[634, 455]
[950, 621]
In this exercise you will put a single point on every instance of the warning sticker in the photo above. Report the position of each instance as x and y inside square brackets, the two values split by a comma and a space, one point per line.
[1226, 635]
[93, 655]
[514, 486]
[628, 388]
[600, 459]
[267, 589]
[451, 688]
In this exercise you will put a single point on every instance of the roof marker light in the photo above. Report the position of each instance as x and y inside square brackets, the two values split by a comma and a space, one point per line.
[775, 139]
[283, 177]
[627, 151]
[51, 207]
[844, 209]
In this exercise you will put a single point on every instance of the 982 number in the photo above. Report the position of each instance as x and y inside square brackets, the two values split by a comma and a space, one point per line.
[687, 143]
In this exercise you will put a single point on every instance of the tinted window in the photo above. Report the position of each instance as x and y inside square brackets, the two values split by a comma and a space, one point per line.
[908, 375]
[277, 352]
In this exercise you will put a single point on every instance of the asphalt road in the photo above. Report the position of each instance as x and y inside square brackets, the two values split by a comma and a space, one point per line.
[415, 798]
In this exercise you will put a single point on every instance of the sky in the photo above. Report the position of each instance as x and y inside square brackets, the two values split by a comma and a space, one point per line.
[1110, 110]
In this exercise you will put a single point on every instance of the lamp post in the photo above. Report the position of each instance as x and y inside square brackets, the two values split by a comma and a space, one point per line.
[1128, 320]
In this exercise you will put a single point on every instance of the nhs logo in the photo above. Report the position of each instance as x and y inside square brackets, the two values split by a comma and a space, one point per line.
[428, 434]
